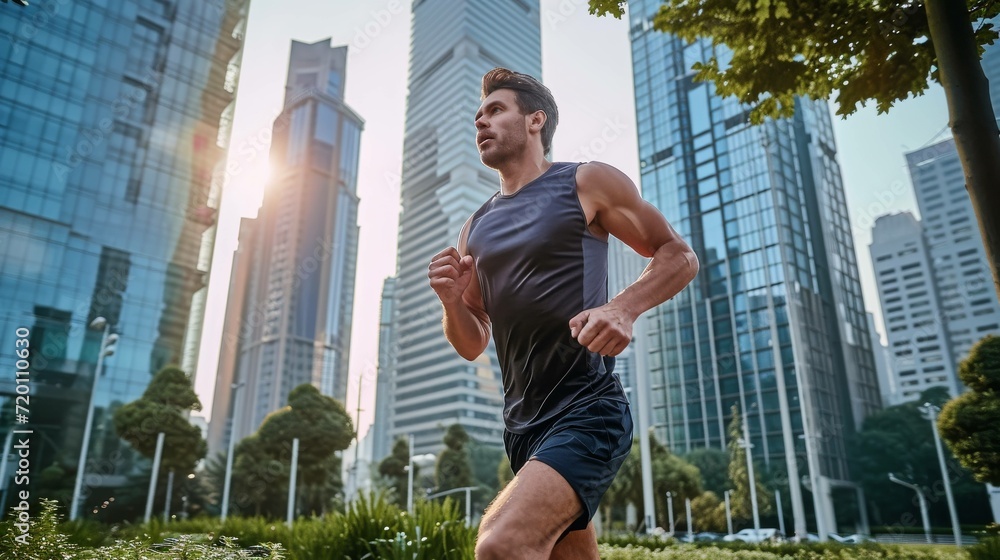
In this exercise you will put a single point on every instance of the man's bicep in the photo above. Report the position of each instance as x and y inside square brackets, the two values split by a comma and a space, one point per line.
[634, 221]
[473, 295]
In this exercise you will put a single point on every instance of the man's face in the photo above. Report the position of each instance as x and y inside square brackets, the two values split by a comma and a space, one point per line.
[501, 128]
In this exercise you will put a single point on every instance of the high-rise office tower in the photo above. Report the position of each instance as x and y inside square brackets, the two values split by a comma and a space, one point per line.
[883, 366]
[381, 442]
[774, 323]
[292, 294]
[969, 305]
[114, 127]
[920, 354]
[454, 42]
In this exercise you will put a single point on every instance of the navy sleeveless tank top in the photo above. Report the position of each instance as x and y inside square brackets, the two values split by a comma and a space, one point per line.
[539, 265]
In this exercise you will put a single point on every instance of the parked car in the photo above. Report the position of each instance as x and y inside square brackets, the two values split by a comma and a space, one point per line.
[708, 536]
[856, 538]
[749, 535]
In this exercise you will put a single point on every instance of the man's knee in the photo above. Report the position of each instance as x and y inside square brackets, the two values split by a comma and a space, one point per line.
[489, 547]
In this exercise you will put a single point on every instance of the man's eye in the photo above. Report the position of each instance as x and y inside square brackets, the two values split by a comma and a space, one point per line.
[495, 110]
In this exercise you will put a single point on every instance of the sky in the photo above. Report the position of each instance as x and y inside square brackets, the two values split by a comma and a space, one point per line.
[586, 62]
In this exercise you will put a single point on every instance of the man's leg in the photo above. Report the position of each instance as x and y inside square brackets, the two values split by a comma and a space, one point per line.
[529, 515]
[577, 545]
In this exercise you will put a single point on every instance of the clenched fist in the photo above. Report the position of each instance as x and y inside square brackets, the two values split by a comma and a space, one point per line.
[606, 330]
[450, 273]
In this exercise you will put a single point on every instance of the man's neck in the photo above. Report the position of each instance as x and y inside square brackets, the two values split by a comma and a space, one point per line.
[518, 174]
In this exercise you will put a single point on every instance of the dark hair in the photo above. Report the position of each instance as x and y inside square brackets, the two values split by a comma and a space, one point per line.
[530, 94]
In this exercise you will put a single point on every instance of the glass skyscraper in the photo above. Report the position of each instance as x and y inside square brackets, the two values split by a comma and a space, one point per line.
[292, 293]
[774, 323]
[114, 126]
[454, 42]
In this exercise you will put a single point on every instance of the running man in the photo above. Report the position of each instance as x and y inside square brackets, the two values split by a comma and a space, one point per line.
[531, 267]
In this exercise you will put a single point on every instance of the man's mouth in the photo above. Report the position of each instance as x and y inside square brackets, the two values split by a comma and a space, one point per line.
[484, 139]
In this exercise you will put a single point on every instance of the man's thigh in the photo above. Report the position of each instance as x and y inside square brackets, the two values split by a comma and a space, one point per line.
[530, 514]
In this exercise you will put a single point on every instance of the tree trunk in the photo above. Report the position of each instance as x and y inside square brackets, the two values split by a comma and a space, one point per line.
[973, 122]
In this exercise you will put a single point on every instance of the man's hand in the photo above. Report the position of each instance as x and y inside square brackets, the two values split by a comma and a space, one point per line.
[450, 274]
[606, 330]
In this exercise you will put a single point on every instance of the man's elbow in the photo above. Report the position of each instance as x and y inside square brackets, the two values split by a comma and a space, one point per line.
[693, 266]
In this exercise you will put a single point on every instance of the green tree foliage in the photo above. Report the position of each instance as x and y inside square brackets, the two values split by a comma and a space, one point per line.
[504, 473]
[453, 469]
[484, 459]
[709, 513]
[671, 473]
[862, 51]
[262, 461]
[164, 407]
[393, 469]
[740, 501]
[713, 464]
[898, 440]
[970, 424]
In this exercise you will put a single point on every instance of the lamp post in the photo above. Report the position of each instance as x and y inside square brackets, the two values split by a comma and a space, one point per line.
[923, 504]
[729, 515]
[108, 341]
[409, 474]
[670, 512]
[745, 443]
[229, 454]
[931, 412]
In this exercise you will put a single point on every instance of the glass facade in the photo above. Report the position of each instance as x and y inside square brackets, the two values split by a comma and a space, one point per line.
[454, 42]
[114, 125]
[774, 323]
[291, 297]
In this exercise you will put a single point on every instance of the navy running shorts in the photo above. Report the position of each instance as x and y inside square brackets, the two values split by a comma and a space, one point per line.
[586, 445]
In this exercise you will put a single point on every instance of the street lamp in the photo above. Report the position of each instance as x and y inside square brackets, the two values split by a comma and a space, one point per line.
[745, 443]
[923, 504]
[670, 512]
[409, 474]
[931, 412]
[229, 454]
[108, 341]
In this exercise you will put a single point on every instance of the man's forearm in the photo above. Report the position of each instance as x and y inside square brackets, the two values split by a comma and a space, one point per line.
[672, 267]
[464, 330]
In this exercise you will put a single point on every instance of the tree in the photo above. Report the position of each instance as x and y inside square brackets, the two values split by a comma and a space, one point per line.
[670, 474]
[164, 407]
[741, 504]
[898, 440]
[713, 464]
[322, 427]
[864, 50]
[708, 512]
[393, 469]
[504, 473]
[453, 469]
[970, 424]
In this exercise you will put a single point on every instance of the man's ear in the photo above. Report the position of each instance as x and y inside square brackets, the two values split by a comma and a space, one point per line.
[536, 121]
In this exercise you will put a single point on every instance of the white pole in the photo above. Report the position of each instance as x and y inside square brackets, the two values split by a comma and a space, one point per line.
[781, 517]
[291, 481]
[170, 491]
[642, 404]
[923, 504]
[74, 508]
[670, 512]
[729, 515]
[468, 506]
[955, 528]
[3, 470]
[750, 475]
[152, 479]
[229, 454]
[690, 522]
[409, 481]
